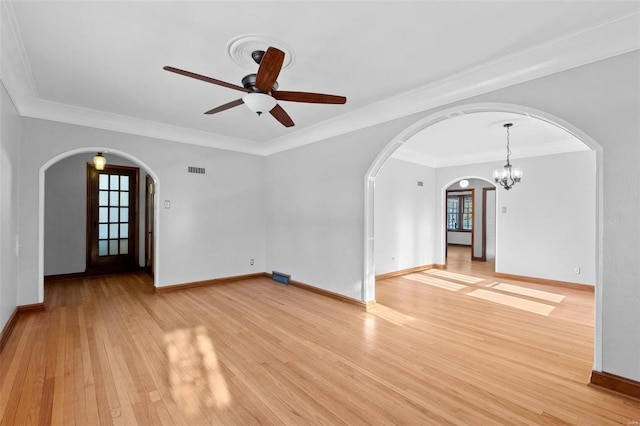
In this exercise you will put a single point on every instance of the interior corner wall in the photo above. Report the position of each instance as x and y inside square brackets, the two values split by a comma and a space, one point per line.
[65, 213]
[215, 223]
[10, 136]
[403, 216]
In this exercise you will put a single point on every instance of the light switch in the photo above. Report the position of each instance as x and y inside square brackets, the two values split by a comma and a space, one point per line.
[504, 210]
[167, 204]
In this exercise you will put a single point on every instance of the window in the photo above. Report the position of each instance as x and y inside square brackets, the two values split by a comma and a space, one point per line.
[460, 212]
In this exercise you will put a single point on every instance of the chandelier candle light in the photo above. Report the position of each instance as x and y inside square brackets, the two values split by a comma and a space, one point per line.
[507, 176]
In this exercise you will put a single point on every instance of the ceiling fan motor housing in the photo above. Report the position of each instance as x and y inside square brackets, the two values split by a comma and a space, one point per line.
[249, 82]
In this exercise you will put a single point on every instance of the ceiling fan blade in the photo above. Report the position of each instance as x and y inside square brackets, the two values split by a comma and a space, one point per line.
[282, 116]
[205, 78]
[269, 69]
[225, 106]
[313, 98]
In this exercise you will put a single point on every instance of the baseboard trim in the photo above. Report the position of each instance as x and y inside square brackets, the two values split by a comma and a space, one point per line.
[565, 284]
[337, 296]
[87, 274]
[409, 271]
[195, 284]
[64, 277]
[617, 384]
[13, 319]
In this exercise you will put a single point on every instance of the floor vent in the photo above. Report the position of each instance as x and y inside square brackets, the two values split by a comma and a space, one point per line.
[196, 170]
[280, 277]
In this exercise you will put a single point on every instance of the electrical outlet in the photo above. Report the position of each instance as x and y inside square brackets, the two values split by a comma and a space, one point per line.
[576, 269]
[393, 260]
[251, 262]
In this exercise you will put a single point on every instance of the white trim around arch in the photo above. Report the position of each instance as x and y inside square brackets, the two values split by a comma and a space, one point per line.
[41, 196]
[368, 276]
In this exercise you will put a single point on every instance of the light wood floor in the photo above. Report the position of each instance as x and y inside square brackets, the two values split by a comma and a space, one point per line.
[431, 352]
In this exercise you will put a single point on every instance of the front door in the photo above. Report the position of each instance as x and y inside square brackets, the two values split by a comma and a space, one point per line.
[112, 219]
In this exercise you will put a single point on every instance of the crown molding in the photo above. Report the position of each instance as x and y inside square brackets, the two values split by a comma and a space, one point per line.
[70, 114]
[608, 39]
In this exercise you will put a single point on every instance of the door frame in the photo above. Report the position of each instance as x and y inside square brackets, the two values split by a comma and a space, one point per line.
[149, 225]
[484, 220]
[134, 224]
[473, 212]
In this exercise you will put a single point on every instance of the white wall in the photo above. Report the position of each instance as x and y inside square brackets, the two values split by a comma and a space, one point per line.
[548, 229]
[315, 205]
[10, 135]
[65, 213]
[404, 216]
[215, 223]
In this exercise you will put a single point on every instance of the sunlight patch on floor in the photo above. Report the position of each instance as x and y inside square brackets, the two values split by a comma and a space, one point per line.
[436, 282]
[389, 314]
[525, 291]
[194, 372]
[455, 276]
[515, 302]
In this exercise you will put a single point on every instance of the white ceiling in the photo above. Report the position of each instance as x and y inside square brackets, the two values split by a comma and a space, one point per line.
[100, 63]
[481, 136]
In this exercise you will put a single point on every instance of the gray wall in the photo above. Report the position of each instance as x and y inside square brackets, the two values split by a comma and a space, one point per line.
[10, 136]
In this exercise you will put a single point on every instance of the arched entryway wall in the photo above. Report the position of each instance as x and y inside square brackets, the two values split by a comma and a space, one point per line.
[90, 151]
[368, 282]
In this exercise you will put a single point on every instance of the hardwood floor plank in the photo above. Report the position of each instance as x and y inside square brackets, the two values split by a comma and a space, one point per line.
[108, 351]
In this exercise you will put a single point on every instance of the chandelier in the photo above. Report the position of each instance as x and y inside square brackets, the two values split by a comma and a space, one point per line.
[508, 175]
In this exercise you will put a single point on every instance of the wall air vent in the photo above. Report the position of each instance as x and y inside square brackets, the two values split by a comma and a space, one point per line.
[280, 277]
[196, 170]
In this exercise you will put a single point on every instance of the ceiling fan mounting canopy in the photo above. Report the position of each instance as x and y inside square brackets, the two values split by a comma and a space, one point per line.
[257, 56]
[262, 88]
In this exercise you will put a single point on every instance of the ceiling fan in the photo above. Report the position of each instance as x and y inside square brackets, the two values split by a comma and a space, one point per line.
[261, 88]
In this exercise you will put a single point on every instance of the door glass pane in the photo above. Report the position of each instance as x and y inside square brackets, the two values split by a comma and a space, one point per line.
[124, 246]
[124, 230]
[114, 182]
[102, 248]
[104, 198]
[113, 214]
[113, 247]
[103, 216]
[102, 233]
[113, 198]
[124, 199]
[104, 181]
[124, 215]
[124, 183]
[113, 230]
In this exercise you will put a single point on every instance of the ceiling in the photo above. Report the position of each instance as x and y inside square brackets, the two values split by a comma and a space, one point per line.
[100, 63]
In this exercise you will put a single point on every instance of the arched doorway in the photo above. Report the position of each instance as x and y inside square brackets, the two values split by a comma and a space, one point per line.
[368, 287]
[470, 218]
[80, 153]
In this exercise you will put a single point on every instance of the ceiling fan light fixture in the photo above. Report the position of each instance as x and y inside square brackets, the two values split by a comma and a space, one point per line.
[259, 102]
